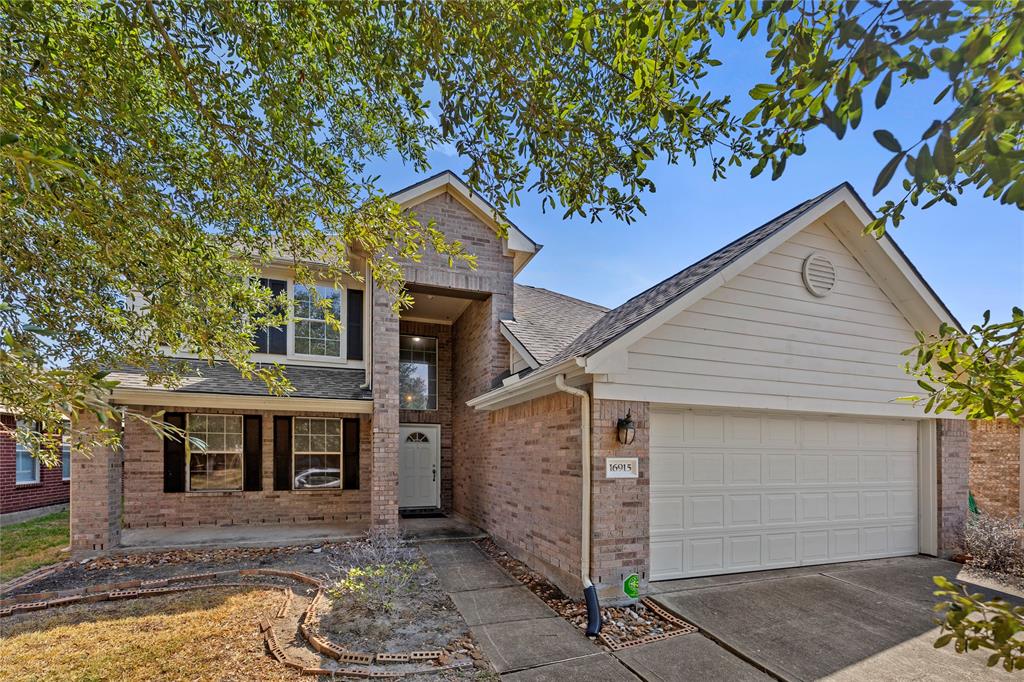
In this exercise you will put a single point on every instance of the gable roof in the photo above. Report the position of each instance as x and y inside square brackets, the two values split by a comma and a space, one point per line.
[547, 321]
[642, 306]
[515, 242]
[658, 303]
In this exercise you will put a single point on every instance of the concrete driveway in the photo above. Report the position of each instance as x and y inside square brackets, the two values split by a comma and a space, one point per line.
[855, 621]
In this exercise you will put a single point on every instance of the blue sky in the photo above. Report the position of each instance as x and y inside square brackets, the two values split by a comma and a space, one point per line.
[971, 254]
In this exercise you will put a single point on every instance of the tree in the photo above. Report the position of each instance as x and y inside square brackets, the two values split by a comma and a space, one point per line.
[971, 623]
[155, 154]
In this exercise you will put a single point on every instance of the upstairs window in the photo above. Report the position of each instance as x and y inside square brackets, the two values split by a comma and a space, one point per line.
[313, 335]
[417, 372]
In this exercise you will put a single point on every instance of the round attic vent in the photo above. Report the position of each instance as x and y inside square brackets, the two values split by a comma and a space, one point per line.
[819, 274]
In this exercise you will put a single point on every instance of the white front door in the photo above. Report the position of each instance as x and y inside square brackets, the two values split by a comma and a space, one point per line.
[419, 465]
[748, 491]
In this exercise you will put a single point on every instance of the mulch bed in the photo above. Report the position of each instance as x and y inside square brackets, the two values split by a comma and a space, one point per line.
[621, 626]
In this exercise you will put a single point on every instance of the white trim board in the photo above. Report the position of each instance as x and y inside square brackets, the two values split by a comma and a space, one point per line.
[163, 398]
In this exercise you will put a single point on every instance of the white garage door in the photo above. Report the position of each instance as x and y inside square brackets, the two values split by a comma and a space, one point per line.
[746, 491]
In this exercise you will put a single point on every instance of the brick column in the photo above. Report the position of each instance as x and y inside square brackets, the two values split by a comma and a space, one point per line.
[621, 506]
[384, 466]
[95, 494]
[953, 455]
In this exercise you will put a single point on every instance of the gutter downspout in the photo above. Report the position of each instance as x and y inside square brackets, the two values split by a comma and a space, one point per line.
[589, 591]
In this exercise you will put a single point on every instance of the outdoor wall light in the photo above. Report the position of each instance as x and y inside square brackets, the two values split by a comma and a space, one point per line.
[627, 429]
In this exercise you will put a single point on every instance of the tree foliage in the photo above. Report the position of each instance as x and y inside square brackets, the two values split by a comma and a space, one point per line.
[970, 623]
[155, 154]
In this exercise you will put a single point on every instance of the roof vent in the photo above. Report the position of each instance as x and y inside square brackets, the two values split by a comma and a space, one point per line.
[819, 274]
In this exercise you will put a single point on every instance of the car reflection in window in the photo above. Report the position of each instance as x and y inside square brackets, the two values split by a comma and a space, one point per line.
[318, 478]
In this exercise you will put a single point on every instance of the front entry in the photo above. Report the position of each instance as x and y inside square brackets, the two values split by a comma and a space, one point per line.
[419, 466]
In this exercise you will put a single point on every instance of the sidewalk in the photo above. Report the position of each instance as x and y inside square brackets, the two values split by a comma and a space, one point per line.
[524, 639]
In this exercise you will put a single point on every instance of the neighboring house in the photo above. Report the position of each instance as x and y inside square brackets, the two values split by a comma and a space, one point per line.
[27, 488]
[761, 382]
[997, 453]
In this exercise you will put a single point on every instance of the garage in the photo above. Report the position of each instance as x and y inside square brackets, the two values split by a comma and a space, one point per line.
[735, 491]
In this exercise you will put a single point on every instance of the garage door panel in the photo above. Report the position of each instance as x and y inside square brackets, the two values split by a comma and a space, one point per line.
[748, 491]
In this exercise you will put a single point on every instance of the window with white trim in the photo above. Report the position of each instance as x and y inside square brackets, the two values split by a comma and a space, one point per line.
[26, 467]
[65, 453]
[313, 335]
[316, 449]
[214, 449]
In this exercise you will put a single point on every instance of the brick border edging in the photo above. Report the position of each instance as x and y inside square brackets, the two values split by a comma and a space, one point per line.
[135, 589]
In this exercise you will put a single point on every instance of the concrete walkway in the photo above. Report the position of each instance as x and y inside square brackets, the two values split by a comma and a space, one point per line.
[526, 641]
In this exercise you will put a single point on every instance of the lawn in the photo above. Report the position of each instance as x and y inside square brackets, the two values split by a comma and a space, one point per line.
[201, 635]
[31, 544]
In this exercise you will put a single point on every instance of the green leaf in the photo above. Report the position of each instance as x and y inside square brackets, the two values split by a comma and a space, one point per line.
[887, 172]
[945, 159]
[884, 88]
[888, 140]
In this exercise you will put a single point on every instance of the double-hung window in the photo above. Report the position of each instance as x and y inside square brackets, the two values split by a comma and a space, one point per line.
[65, 453]
[26, 467]
[313, 334]
[417, 372]
[214, 452]
[317, 452]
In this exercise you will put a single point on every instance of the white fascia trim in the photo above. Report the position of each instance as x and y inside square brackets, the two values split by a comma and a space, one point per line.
[843, 195]
[518, 346]
[161, 398]
[533, 384]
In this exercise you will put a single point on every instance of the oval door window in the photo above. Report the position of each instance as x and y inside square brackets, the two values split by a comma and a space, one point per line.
[417, 437]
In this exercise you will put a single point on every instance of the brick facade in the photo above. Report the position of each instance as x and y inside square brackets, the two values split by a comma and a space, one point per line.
[384, 444]
[146, 505]
[96, 489]
[953, 454]
[995, 466]
[521, 483]
[443, 414]
[50, 490]
[621, 506]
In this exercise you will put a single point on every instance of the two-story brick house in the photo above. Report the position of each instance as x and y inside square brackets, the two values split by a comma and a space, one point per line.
[760, 382]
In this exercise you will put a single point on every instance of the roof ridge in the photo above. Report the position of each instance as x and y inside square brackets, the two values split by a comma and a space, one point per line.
[565, 296]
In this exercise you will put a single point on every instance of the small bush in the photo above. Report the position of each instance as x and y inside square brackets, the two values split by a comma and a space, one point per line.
[380, 568]
[994, 544]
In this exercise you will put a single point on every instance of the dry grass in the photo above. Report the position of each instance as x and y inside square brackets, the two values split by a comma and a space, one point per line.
[31, 544]
[207, 635]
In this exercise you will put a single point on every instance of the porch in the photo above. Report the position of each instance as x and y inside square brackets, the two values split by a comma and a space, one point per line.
[280, 535]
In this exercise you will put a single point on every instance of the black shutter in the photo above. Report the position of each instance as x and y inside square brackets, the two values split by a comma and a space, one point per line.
[354, 325]
[272, 340]
[252, 448]
[350, 454]
[282, 453]
[174, 454]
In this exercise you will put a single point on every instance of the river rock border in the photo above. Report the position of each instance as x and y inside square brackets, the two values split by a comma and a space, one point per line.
[135, 589]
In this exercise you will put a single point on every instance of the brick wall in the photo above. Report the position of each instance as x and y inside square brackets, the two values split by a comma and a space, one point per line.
[443, 414]
[953, 451]
[621, 506]
[51, 489]
[523, 485]
[384, 444]
[146, 505]
[995, 466]
[96, 492]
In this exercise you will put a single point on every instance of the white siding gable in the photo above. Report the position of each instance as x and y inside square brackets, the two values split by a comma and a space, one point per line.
[762, 340]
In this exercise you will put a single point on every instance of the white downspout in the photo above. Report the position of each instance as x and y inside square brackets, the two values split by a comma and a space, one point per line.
[593, 609]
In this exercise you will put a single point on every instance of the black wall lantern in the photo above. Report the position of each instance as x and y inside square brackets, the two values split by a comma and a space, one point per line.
[627, 429]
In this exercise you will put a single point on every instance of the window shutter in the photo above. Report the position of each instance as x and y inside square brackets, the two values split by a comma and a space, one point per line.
[273, 340]
[252, 449]
[354, 325]
[350, 454]
[174, 455]
[282, 453]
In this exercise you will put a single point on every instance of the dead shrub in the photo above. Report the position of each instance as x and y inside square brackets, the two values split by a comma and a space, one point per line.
[379, 568]
[993, 543]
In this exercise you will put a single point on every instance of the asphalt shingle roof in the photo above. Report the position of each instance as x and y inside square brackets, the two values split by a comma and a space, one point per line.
[222, 378]
[620, 320]
[546, 321]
